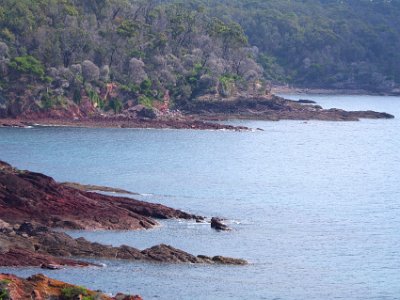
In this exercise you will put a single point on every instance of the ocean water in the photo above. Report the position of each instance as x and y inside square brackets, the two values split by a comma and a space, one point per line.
[314, 206]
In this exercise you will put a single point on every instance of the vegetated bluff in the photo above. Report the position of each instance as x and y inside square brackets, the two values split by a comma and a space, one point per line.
[76, 57]
[83, 55]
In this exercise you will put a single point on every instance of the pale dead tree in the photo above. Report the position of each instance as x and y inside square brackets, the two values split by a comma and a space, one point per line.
[105, 73]
[76, 69]
[90, 71]
[216, 65]
[249, 69]
[136, 71]
[3, 50]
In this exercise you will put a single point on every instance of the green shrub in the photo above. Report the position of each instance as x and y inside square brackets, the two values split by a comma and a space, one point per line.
[127, 29]
[145, 85]
[47, 101]
[116, 105]
[146, 101]
[77, 97]
[7, 35]
[226, 80]
[74, 292]
[27, 65]
[131, 88]
[95, 98]
[4, 294]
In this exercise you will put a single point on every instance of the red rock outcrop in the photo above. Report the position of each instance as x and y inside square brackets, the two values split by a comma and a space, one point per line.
[32, 203]
[40, 287]
[29, 196]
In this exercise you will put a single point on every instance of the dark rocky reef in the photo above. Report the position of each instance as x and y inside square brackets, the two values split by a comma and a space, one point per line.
[119, 121]
[274, 108]
[32, 203]
[30, 244]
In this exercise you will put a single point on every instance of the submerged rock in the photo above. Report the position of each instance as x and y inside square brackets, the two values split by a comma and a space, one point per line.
[305, 101]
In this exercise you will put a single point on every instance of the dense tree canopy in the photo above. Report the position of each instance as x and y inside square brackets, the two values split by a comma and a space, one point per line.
[334, 43]
[147, 47]
[72, 49]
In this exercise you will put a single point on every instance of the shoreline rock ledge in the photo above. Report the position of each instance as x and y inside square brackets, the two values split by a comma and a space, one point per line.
[32, 204]
[42, 287]
[26, 195]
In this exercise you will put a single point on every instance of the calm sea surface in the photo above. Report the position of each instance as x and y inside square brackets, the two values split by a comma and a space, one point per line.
[315, 206]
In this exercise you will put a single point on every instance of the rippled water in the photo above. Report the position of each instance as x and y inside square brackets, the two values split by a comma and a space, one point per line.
[315, 206]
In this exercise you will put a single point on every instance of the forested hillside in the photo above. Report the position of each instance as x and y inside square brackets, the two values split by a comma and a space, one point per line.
[110, 54]
[322, 43]
[114, 54]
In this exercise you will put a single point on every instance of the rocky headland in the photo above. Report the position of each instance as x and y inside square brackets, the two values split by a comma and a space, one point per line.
[275, 108]
[33, 205]
[34, 197]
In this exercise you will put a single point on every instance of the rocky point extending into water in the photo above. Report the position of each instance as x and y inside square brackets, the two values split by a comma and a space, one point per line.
[31, 204]
[34, 197]
[41, 287]
[197, 115]
[275, 108]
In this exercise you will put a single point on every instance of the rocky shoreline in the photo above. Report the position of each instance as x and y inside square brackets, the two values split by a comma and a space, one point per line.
[34, 208]
[203, 114]
[41, 287]
[34, 245]
[297, 90]
[275, 108]
[117, 122]
[32, 205]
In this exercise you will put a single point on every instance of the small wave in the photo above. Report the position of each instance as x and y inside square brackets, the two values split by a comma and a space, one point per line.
[50, 125]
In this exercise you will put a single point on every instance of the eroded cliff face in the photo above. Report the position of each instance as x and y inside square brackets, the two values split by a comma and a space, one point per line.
[40, 287]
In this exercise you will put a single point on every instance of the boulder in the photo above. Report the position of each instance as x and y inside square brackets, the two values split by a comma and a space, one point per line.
[217, 224]
[141, 111]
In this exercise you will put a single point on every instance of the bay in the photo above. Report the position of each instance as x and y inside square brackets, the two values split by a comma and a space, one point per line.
[315, 206]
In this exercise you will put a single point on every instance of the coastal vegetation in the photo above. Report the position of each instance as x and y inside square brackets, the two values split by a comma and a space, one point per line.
[322, 43]
[109, 55]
